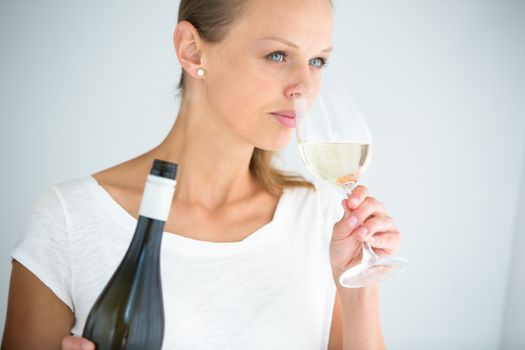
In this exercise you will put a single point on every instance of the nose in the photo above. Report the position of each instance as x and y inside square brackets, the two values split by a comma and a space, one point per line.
[302, 84]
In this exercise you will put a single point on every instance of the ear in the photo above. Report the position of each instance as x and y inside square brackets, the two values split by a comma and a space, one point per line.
[188, 46]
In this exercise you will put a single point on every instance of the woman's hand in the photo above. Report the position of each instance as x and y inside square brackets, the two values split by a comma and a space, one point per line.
[77, 343]
[365, 219]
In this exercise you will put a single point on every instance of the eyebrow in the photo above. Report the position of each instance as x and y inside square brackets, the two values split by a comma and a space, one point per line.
[289, 43]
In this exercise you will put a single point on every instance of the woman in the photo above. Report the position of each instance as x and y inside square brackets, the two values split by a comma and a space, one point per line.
[256, 253]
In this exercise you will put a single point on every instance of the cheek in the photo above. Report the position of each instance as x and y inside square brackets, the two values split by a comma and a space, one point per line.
[241, 95]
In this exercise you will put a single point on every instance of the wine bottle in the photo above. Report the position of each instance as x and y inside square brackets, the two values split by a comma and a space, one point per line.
[129, 313]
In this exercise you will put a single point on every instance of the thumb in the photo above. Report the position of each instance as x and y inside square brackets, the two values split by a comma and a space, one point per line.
[344, 227]
[76, 343]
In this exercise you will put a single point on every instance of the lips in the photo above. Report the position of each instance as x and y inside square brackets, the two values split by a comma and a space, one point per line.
[286, 118]
[285, 113]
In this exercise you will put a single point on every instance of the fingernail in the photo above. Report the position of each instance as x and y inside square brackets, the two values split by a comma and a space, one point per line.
[352, 221]
[362, 231]
[372, 240]
[85, 345]
[354, 201]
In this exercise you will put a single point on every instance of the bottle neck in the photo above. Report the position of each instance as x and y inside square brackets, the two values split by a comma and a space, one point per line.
[154, 210]
[157, 198]
[148, 236]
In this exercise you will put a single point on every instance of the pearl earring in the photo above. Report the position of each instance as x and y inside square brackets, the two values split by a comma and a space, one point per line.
[200, 72]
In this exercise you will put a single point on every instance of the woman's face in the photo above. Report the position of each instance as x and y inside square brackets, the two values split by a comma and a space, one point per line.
[275, 50]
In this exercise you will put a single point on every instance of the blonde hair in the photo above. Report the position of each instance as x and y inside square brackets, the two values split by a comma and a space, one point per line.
[212, 19]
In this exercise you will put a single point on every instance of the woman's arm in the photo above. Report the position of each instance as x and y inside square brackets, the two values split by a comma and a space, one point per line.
[361, 319]
[365, 219]
[36, 317]
[336, 330]
[356, 320]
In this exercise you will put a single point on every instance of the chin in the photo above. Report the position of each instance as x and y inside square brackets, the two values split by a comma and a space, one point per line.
[275, 144]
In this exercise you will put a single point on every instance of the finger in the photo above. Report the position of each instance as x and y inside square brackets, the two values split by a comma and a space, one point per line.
[358, 195]
[77, 343]
[370, 207]
[345, 205]
[386, 240]
[373, 225]
[342, 229]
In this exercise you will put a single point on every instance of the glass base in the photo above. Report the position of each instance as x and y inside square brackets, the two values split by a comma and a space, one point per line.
[372, 271]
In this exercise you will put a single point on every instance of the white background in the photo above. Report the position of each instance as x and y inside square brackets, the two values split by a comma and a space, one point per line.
[88, 84]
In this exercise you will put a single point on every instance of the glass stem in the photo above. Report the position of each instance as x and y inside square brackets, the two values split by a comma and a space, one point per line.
[368, 252]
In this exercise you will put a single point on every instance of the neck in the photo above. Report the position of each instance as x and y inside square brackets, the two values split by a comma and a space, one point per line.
[213, 165]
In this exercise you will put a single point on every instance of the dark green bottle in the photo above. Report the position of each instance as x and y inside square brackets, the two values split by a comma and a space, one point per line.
[129, 313]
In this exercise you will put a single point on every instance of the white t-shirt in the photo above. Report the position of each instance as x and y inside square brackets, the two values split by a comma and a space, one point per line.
[272, 290]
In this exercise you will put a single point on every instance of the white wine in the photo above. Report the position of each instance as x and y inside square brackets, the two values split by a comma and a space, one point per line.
[129, 313]
[337, 162]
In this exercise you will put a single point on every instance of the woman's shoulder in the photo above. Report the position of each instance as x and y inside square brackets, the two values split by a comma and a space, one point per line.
[130, 175]
[71, 190]
[124, 175]
[56, 193]
[72, 198]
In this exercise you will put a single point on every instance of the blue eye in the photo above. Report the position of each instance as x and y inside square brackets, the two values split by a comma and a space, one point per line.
[319, 62]
[278, 56]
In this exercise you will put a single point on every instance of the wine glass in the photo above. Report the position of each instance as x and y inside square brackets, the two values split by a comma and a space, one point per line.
[336, 146]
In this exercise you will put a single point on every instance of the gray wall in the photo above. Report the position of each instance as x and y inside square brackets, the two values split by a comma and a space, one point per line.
[85, 85]
[514, 317]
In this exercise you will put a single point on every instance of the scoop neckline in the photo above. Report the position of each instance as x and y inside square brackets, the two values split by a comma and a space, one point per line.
[172, 240]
